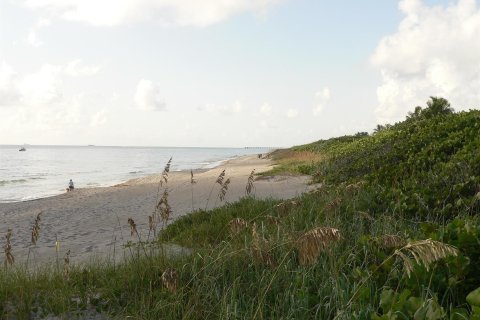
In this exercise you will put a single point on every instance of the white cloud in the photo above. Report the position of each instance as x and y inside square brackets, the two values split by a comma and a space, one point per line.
[266, 109]
[322, 97]
[33, 40]
[435, 52]
[39, 101]
[42, 87]
[77, 68]
[147, 96]
[9, 93]
[31, 89]
[99, 118]
[32, 37]
[232, 109]
[168, 12]
[292, 113]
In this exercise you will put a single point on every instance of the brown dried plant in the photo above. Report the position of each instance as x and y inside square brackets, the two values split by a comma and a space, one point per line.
[66, 265]
[365, 215]
[237, 225]
[272, 220]
[163, 200]
[163, 178]
[192, 180]
[9, 258]
[151, 223]
[284, 208]
[353, 188]
[220, 178]
[133, 227]
[388, 241]
[170, 279]
[223, 190]
[163, 207]
[311, 243]
[251, 179]
[334, 204]
[424, 252]
[259, 249]
[165, 172]
[281, 208]
[165, 213]
[319, 191]
[36, 229]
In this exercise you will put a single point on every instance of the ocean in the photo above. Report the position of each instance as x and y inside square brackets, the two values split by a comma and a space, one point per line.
[43, 171]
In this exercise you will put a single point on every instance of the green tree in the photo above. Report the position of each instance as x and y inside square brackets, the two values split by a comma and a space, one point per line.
[437, 106]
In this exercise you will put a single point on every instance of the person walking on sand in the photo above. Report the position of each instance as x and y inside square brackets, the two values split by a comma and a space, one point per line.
[70, 185]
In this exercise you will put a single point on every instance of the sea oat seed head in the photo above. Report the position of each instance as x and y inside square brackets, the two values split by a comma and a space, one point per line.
[424, 252]
[170, 279]
[311, 243]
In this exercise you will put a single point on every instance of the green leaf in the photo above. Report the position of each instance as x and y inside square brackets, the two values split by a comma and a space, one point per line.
[430, 310]
[386, 299]
[473, 298]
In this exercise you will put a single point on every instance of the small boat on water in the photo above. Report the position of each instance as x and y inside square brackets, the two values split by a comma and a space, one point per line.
[22, 149]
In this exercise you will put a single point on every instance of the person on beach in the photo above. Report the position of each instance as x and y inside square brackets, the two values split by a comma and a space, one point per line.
[70, 185]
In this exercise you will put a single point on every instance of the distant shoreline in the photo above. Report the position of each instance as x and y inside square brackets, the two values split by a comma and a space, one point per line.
[45, 171]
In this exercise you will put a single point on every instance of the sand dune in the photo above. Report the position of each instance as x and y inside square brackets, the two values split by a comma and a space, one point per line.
[91, 222]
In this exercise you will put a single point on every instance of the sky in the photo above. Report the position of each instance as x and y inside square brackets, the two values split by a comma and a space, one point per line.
[228, 73]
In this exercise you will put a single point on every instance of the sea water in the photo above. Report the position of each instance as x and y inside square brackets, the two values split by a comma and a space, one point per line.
[43, 171]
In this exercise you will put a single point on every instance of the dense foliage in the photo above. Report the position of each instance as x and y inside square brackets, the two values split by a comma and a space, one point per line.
[427, 166]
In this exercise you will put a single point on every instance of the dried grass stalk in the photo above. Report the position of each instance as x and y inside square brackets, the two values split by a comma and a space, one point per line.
[151, 223]
[249, 187]
[334, 204]
[163, 200]
[170, 279]
[352, 188]
[273, 220]
[365, 215]
[313, 242]
[66, 265]
[237, 225]
[388, 241]
[192, 180]
[424, 252]
[284, 208]
[163, 207]
[259, 249]
[220, 178]
[165, 213]
[133, 227]
[223, 190]
[319, 191]
[36, 229]
[9, 258]
[165, 172]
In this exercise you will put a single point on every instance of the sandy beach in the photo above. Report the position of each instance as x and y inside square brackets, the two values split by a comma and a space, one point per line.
[93, 222]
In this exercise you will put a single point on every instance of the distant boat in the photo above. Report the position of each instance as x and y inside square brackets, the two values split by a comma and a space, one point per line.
[22, 149]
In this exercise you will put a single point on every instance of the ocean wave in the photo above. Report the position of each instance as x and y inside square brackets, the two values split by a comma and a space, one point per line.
[5, 182]
[18, 181]
[136, 172]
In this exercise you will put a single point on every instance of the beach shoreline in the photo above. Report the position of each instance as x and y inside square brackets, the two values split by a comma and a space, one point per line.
[93, 221]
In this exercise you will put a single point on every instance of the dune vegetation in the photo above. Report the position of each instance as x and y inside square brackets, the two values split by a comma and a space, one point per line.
[391, 232]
